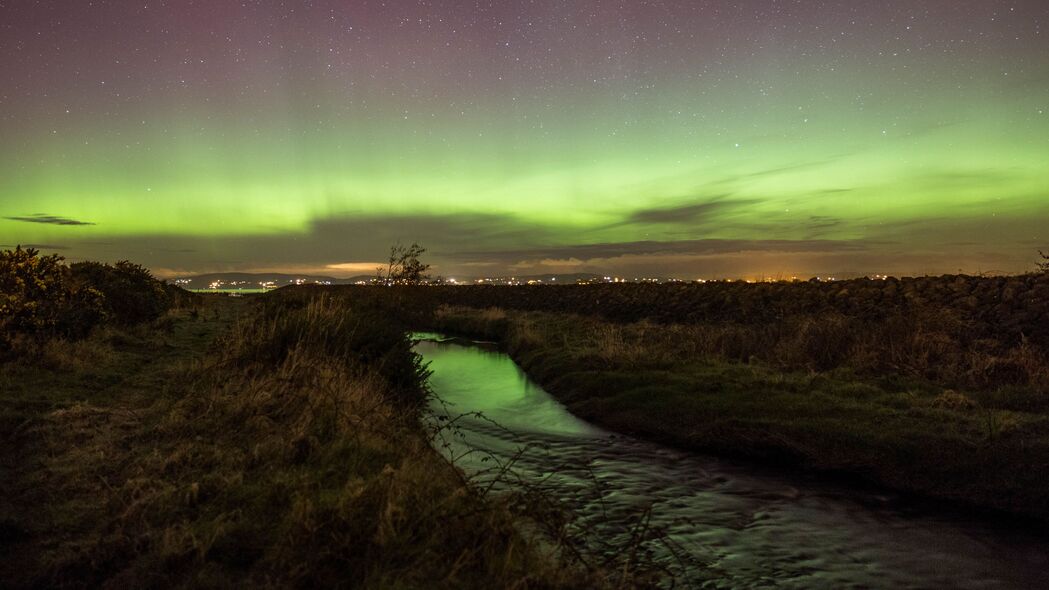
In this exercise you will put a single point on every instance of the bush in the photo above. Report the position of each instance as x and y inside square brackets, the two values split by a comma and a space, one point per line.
[131, 294]
[179, 298]
[41, 298]
[37, 298]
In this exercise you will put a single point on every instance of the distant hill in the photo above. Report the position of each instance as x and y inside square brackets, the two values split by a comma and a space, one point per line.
[248, 280]
[549, 278]
[570, 279]
[564, 278]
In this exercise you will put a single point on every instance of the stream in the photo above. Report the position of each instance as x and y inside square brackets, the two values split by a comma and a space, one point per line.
[708, 522]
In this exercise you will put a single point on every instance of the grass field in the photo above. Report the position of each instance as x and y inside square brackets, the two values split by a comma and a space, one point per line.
[983, 447]
[278, 440]
[247, 441]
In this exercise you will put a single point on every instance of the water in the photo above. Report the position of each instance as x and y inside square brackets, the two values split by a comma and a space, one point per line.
[721, 524]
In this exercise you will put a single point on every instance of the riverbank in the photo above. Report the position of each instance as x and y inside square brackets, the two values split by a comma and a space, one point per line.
[707, 521]
[959, 332]
[243, 442]
[986, 448]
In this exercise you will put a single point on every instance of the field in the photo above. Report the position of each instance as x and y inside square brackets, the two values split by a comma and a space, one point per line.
[973, 333]
[176, 440]
[937, 386]
[240, 441]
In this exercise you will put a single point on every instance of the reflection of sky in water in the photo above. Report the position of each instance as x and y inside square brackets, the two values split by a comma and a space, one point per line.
[490, 382]
[728, 523]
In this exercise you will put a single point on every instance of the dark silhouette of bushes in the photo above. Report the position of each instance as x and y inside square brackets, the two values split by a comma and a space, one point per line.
[38, 298]
[131, 293]
[42, 298]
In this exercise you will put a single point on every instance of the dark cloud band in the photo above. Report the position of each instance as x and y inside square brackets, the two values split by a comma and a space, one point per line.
[48, 219]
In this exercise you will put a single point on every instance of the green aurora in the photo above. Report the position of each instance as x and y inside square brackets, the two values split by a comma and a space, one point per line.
[766, 162]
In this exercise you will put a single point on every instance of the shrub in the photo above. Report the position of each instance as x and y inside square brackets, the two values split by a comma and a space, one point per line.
[38, 299]
[32, 290]
[131, 293]
[180, 298]
[41, 298]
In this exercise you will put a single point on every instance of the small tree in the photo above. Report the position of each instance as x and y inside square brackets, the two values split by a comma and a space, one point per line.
[1043, 266]
[404, 266]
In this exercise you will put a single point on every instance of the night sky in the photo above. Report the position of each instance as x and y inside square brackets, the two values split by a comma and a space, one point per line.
[685, 137]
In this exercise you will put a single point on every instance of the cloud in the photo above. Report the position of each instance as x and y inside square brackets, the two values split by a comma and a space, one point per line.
[36, 246]
[49, 219]
[562, 265]
[688, 213]
[648, 248]
[468, 244]
[340, 245]
[817, 225]
[355, 267]
[371, 236]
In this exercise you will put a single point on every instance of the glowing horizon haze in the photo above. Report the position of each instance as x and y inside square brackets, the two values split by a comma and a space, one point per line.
[674, 137]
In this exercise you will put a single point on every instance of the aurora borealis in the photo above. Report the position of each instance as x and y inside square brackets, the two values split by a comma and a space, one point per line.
[694, 138]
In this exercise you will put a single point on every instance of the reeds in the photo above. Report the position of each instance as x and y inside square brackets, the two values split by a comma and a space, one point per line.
[914, 402]
[925, 345]
[290, 455]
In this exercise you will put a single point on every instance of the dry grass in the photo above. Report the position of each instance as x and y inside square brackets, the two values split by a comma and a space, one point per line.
[904, 404]
[291, 455]
[67, 355]
[931, 346]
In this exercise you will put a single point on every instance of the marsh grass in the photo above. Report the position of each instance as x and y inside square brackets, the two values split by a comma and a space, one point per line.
[902, 405]
[945, 345]
[287, 453]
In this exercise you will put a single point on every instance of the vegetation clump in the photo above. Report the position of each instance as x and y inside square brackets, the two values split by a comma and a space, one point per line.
[42, 298]
[130, 293]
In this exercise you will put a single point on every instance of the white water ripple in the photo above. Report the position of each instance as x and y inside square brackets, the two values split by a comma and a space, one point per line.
[721, 524]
